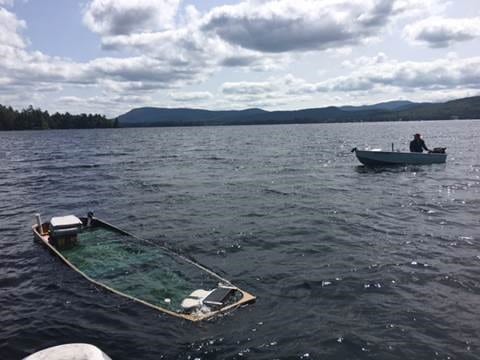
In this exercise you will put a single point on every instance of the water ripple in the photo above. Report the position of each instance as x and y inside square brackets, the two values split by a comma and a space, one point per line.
[347, 262]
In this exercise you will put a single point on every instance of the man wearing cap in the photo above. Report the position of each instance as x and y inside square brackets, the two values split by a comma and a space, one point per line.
[417, 144]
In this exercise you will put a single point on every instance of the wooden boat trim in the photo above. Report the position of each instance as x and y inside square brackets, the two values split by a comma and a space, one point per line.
[246, 297]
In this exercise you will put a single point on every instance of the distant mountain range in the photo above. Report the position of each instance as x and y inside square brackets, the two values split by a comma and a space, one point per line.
[389, 105]
[466, 108]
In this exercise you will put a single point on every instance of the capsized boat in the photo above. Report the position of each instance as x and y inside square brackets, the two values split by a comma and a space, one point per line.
[138, 269]
[388, 158]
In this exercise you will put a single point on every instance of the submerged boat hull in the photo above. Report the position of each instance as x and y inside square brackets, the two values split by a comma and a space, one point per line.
[115, 285]
[386, 158]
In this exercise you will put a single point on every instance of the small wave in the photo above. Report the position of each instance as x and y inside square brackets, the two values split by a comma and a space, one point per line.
[254, 215]
[275, 192]
[215, 158]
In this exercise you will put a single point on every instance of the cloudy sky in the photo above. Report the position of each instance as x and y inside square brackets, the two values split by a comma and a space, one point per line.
[109, 56]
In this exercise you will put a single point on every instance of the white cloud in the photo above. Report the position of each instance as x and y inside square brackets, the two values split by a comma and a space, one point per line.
[121, 17]
[365, 61]
[195, 96]
[10, 28]
[389, 79]
[340, 52]
[435, 75]
[437, 32]
[195, 50]
[101, 100]
[163, 49]
[304, 25]
[137, 73]
[25, 71]
[253, 61]
[139, 68]
[126, 87]
[260, 35]
[416, 8]
[247, 88]
[269, 93]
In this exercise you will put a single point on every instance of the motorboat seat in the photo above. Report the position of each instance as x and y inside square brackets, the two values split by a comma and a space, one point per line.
[195, 300]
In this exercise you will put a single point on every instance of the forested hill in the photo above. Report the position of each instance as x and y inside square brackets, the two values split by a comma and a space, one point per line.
[36, 119]
[467, 108]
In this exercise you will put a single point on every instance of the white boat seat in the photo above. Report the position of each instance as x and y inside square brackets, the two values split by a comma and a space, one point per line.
[200, 294]
[189, 304]
[195, 300]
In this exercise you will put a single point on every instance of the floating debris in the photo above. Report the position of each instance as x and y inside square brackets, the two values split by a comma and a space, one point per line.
[373, 285]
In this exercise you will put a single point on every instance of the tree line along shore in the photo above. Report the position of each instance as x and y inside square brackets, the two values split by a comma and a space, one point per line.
[36, 119]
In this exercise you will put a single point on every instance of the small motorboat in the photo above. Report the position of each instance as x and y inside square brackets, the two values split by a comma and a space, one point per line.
[388, 158]
[139, 269]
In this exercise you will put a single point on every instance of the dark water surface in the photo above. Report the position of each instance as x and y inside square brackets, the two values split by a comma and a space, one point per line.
[347, 262]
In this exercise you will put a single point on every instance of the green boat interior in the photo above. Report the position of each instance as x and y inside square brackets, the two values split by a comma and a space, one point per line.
[138, 268]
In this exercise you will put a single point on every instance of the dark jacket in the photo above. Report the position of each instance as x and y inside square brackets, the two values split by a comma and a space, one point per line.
[417, 145]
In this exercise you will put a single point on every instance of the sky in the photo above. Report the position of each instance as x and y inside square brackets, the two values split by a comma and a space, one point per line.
[109, 56]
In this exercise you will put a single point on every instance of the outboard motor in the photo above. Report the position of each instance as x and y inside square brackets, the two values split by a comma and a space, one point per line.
[438, 150]
[64, 231]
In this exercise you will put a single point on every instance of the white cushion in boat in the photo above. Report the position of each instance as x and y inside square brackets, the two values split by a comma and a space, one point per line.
[195, 299]
[200, 294]
[65, 221]
[190, 304]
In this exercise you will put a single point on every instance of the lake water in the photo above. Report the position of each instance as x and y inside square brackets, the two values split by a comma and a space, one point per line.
[346, 262]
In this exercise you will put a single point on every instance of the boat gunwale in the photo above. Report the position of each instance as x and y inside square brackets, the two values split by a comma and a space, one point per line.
[246, 297]
[401, 152]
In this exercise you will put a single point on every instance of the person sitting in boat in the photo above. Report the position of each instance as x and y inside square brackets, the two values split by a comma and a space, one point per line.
[417, 144]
